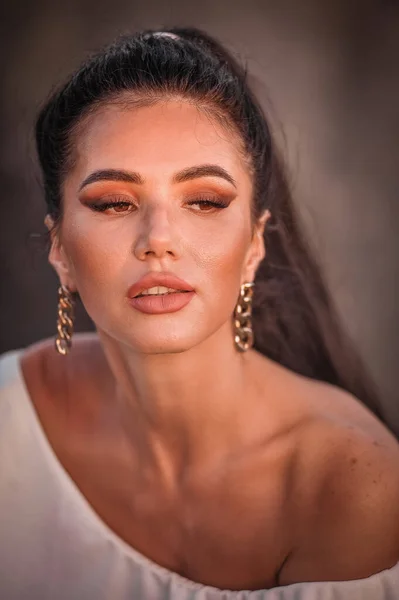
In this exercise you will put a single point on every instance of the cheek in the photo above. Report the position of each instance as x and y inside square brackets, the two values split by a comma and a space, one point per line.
[97, 254]
[220, 257]
[223, 255]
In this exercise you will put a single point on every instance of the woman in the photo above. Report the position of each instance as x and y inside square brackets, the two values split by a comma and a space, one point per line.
[164, 456]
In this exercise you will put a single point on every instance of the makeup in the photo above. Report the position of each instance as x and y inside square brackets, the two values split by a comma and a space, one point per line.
[159, 293]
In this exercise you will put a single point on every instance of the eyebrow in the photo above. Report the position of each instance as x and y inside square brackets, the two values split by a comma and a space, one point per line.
[180, 177]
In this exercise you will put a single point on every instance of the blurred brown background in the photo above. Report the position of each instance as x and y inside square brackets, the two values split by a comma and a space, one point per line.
[329, 68]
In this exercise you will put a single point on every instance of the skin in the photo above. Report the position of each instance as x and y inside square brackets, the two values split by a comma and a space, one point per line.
[221, 466]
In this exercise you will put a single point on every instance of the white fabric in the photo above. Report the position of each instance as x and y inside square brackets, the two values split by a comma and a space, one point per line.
[53, 546]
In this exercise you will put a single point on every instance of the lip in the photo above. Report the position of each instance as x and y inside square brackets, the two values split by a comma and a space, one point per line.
[158, 279]
[165, 303]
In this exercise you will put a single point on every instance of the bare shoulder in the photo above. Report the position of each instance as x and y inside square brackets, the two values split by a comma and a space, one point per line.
[344, 481]
[296, 400]
[347, 496]
[48, 373]
[84, 344]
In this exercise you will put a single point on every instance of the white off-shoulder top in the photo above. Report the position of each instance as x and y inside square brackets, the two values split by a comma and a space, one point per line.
[53, 546]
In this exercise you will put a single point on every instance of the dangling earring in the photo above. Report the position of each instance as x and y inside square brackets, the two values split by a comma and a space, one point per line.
[63, 341]
[243, 334]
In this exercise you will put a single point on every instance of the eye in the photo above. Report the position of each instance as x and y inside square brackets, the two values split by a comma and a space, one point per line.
[206, 205]
[114, 205]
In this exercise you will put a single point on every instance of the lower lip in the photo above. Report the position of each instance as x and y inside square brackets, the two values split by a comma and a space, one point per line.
[165, 303]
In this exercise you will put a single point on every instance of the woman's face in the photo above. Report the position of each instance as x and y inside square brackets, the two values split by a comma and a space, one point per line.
[183, 206]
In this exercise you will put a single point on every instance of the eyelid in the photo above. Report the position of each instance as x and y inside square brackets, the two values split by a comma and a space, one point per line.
[109, 199]
[112, 197]
[97, 193]
[106, 203]
[210, 196]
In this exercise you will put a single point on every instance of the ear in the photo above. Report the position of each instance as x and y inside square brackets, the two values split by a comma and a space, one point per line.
[57, 256]
[257, 250]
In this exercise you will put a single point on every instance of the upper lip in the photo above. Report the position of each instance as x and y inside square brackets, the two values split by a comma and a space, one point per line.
[158, 279]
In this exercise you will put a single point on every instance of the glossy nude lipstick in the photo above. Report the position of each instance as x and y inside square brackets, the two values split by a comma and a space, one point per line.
[159, 293]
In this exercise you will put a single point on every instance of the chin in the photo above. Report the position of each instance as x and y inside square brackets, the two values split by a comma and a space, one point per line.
[166, 349]
[157, 339]
[161, 345]
[160, 334]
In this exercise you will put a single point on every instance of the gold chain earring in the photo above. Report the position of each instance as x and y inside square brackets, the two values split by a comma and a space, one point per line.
[63, 341]
[243, 334]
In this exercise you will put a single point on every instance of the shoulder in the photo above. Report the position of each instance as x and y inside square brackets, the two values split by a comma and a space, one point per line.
[347, 495]
[294, 399]
[42, 361]
[45, 349]
[50, 376]
[343, 516]
[341, 519]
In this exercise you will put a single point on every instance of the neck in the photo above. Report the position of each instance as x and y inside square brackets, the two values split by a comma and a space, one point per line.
[183, 409]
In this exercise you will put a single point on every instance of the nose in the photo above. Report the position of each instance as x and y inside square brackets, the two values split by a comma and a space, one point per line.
[156, 238]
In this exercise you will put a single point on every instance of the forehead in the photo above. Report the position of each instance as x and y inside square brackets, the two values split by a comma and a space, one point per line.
[162, 138]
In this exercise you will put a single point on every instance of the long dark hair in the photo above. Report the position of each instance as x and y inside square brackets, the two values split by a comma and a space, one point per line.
[295, 322]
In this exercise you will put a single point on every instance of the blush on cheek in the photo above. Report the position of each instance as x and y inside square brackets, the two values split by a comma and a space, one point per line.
[221, 263]
[96, 266]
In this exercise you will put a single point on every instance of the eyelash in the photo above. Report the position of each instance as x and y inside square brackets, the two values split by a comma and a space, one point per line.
[105, 205]
[210, 202]
[201, 201]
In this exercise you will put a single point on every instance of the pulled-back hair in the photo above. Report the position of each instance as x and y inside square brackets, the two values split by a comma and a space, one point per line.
[295, 323]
